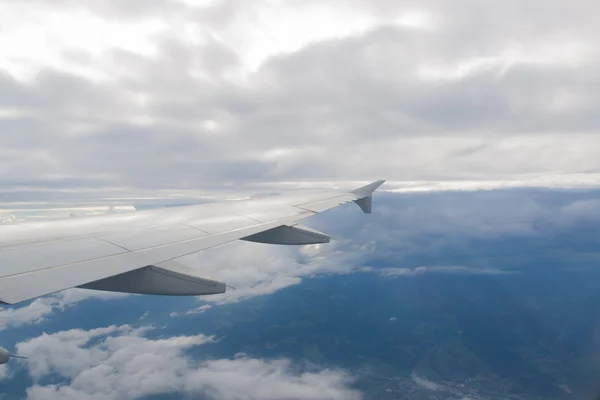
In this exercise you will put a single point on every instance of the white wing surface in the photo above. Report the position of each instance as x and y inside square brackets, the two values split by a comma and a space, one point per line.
[136, 252]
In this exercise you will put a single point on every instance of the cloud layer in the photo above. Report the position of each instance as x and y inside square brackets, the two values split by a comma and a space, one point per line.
[118, 362]
[258, 269]
[39, 309]
[186, 94]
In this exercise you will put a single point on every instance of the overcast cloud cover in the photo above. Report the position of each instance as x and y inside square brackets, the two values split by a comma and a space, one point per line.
[186, 94]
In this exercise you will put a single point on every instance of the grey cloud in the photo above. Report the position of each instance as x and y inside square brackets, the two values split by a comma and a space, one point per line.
[370, 86]
[345, 107]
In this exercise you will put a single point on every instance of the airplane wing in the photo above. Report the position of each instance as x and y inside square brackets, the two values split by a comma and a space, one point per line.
[137, 252]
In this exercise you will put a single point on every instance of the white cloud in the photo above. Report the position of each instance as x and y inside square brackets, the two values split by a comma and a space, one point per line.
[45, 36]
[459, 269]
[257, 32]
[32, 313]
[193, 311]
[570, 181]
[247, 378]
[119, 362]
[4, 372]
[258, 269]
[40, 309]
[64, 352]
[425, 383]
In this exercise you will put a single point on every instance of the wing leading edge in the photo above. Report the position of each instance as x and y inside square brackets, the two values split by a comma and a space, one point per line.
[141, 261]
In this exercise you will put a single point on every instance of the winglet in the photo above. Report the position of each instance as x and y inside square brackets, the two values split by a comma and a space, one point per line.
[367, 190]
[364, 194]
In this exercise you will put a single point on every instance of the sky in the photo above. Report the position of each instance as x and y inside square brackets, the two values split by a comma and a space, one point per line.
[110, 96]
[152, 99]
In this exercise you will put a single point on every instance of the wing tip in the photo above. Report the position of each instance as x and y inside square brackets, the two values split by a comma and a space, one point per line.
[367, 190]
[364, 195]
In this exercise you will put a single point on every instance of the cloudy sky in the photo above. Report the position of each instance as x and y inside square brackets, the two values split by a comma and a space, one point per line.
[187, 94]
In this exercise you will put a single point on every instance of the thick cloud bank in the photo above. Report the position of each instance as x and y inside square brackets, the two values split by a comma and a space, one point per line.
[119, 362]
[186, 94]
